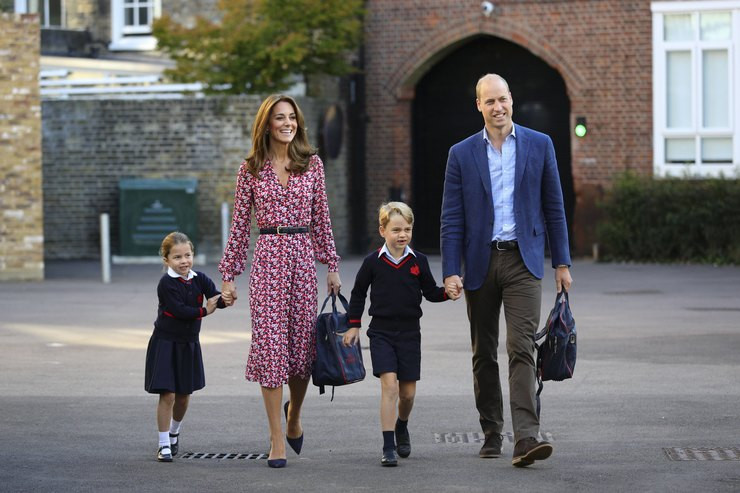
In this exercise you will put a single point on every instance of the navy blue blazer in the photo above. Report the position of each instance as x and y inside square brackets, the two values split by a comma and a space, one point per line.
[467, 207]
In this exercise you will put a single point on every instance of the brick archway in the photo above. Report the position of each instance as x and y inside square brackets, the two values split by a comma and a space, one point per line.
[601, 50]
[401, 84]
[438, 44]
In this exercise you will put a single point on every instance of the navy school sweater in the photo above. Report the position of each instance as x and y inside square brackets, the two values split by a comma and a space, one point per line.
[181, 306]
[395, 291]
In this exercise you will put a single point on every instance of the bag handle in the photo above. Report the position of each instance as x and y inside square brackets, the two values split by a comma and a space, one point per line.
[333, 297]
[561, 297]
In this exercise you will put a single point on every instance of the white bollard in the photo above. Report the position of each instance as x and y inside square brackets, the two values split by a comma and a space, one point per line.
[105, 247]
[225, 226]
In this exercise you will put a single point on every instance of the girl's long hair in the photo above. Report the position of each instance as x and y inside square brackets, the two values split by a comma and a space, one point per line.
[299, 149]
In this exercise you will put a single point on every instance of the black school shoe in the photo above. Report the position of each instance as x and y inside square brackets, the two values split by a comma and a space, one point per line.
[403, 442]
[174, 447]
[389, 459]
[164, 454]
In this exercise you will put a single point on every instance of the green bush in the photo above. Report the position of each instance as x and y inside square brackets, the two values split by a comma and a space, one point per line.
[671, 220]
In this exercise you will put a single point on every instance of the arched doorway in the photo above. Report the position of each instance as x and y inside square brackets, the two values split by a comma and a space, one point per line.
[444, 113]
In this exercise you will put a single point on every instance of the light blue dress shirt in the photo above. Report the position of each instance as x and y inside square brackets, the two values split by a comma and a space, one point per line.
[502, 167]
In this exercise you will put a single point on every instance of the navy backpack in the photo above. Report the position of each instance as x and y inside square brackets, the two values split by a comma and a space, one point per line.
[336, 364]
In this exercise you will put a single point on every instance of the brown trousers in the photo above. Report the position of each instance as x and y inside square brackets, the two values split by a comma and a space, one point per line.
[509, 282]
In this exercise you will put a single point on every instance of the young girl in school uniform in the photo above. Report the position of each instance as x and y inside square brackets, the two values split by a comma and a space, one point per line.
[174, 363]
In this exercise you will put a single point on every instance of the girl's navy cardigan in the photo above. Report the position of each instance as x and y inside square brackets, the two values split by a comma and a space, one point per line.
[181, 306]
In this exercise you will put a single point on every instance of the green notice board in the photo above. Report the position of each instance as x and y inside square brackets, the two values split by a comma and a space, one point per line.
[151, 208]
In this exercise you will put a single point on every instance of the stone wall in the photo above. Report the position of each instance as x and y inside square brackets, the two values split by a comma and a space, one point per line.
[89, 145]
[90, 15]
[185, 12]
[21, 233]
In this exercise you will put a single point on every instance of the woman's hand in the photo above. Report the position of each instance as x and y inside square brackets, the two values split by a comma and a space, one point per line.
[228, 292]
[351, 336]
[333, 283]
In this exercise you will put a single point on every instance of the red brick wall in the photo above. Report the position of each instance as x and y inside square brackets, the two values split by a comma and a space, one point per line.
[601, 48]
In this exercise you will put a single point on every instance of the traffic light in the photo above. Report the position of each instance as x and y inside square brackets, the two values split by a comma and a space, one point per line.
[580, 129]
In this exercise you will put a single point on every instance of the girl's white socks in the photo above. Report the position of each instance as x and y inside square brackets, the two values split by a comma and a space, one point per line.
[174, 430]
[164, 439]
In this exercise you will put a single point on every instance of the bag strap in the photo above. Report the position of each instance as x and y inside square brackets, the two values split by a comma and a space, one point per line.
[324, 305]
[342, 299]
[539, 391]
[562, 297]
[333, 298]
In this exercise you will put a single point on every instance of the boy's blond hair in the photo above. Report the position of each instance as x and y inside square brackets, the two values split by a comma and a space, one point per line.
[389, 208]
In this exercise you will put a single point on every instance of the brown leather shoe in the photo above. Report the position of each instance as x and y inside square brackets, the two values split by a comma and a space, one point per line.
[491, 447]
[528, 450]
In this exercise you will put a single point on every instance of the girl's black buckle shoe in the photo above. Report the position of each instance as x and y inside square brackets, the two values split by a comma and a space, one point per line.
[164, 454]
[174, 447]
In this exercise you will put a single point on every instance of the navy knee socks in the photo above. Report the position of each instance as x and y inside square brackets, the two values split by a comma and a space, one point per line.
[389, 442]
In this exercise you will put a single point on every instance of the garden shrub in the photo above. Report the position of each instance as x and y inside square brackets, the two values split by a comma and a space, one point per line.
[671, 220]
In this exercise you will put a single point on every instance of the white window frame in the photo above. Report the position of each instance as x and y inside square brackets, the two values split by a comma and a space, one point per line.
[130, 38]
[661, 168]
[22, 7]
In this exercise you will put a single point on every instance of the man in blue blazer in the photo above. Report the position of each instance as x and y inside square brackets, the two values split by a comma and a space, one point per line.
[502, 199]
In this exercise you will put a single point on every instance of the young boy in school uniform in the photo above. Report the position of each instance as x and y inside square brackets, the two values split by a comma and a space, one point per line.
[397, 277]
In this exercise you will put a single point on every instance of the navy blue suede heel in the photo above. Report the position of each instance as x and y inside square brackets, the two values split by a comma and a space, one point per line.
[295, 443]
[277, 463]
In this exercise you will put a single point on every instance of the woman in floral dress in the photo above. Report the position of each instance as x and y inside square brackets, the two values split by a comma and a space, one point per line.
[282, 179]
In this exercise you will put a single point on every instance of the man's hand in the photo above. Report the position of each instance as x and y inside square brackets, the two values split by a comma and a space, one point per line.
[453, 287]
[562, 278]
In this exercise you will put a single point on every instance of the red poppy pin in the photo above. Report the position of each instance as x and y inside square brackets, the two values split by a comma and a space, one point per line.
[415, 270]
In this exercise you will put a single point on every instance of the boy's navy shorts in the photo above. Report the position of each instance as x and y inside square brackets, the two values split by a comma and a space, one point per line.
[397, 351]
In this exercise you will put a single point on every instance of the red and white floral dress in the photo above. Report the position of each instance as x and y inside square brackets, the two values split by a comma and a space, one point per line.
[283, 291]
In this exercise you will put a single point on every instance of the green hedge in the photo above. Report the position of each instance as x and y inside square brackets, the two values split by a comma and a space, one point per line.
[671, 220]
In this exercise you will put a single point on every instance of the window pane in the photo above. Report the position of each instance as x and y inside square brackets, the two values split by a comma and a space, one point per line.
[678, 27]
[55, 13]
[715, 26]
[715, 97]
[678, 90]
[128, 1]
[716, 150]
[43, 19]
[129, 17]
[680, 151]
[143, 16]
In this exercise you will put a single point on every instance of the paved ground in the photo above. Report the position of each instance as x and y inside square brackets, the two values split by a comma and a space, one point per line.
[658, 367]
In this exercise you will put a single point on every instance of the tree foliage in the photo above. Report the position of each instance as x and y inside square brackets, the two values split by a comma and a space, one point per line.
[260, 44]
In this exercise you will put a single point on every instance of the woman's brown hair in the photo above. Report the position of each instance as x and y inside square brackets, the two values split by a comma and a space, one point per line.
[299, 149]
